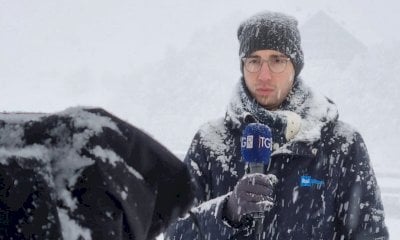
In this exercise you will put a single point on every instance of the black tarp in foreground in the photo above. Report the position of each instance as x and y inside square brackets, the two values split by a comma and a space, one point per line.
[85, 174]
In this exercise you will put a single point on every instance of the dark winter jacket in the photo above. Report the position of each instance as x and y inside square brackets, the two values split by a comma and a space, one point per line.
[326, 189]
[85, 174]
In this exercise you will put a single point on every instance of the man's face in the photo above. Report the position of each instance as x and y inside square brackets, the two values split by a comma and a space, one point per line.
[269, 88]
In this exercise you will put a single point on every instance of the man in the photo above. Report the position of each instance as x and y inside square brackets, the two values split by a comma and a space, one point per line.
[319, 183]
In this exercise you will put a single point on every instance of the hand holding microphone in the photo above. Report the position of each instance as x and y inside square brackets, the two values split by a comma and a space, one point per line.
[253, 194]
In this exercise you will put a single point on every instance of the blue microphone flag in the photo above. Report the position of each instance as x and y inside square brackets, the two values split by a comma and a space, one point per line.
[256, 143]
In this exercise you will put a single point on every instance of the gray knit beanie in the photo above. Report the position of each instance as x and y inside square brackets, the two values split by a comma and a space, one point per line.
[274, 31]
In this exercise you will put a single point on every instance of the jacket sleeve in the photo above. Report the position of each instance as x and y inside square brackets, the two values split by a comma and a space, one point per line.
[205, 220]
[360, 207]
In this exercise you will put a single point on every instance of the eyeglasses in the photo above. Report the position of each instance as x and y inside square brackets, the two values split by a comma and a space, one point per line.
[276, 64]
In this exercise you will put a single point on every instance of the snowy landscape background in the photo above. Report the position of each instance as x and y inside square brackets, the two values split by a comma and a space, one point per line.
[169, 66]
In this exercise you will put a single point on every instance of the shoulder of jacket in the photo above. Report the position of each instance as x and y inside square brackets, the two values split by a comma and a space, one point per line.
[213, 133]
[211, 127]
[344, 129]
[345, 135]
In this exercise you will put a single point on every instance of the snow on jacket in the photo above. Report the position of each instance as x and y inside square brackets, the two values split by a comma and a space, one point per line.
[85, 174]
[326, 190]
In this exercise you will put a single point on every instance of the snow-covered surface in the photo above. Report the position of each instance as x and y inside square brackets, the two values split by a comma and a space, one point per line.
[169, 66]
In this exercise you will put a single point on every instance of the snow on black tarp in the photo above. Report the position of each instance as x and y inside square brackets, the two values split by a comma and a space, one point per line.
[84, 174]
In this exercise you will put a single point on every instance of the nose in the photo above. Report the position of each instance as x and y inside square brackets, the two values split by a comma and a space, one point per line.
[265, 72]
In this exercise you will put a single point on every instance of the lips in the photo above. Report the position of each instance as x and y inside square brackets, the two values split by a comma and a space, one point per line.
[264, 91]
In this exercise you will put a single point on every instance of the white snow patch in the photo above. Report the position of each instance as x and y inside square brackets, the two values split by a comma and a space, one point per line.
[124, 195]
[112, 158]
[214, 138]
[310, 128]
[295, 194]
[38, 152]
[196, 168]
[90, 120]
[71, 230]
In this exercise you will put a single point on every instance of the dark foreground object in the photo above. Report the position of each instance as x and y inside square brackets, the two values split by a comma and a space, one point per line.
[85, 174]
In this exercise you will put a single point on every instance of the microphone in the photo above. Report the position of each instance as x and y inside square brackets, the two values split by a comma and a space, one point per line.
[256, 148]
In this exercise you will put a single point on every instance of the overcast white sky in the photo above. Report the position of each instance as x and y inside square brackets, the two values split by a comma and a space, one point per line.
[52, 38]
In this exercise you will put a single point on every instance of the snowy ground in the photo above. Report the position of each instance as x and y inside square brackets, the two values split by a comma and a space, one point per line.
[389, 181]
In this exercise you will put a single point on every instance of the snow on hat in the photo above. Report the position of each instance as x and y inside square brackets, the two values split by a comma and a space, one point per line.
[274, 31]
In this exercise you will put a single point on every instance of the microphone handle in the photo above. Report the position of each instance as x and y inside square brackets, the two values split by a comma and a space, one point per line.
[258, 223]
[256, 167]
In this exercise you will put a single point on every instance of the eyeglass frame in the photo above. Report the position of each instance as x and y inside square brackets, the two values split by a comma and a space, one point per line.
[286, 60]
